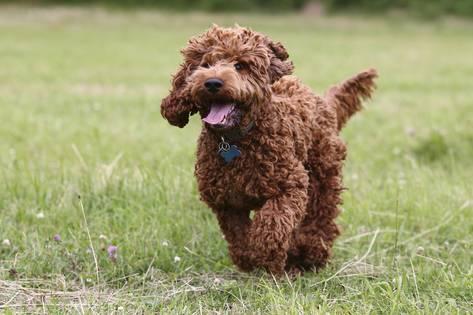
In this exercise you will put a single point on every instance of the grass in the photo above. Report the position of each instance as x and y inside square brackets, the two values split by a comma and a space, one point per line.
[79, 105]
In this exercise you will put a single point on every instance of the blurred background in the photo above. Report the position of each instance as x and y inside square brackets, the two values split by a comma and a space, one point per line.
[418, 7]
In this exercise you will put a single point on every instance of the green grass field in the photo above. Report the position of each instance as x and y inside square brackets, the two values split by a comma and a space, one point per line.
[79, 106]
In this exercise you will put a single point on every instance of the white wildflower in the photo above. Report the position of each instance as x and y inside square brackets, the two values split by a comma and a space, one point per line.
[40, 215]
[165, 243]
[410, 131]
[6, 242]
[177, 259]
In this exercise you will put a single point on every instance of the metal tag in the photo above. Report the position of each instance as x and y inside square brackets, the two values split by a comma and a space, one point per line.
[228, 152]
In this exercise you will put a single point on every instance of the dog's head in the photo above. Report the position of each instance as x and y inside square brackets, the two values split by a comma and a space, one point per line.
[227, 74]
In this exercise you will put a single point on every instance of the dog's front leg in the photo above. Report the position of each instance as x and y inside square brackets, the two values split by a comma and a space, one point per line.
[273, 224]
[235, 225]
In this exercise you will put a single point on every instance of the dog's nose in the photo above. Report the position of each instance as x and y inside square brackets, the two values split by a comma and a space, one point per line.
[213, 85]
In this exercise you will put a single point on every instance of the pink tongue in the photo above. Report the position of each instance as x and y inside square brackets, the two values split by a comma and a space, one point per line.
[218, 113]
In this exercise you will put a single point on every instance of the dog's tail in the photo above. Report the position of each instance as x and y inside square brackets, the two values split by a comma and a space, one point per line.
[347, 97]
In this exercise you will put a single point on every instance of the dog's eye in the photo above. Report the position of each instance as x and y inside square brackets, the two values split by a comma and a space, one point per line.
[205, 65]
[238, 66]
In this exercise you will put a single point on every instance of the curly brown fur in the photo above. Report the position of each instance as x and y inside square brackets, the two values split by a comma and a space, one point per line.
[347, 97]
[290, 169]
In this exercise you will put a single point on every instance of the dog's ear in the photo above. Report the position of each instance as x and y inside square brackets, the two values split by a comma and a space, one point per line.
[176, 107]
[279, 65]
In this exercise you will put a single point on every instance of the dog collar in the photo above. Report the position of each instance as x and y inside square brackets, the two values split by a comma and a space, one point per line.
[236, 134]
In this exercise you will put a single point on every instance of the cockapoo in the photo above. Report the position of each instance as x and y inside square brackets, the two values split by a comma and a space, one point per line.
[268, 144]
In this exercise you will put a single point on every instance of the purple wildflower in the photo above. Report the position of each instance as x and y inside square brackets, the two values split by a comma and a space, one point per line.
[57, 238]
[112, 251]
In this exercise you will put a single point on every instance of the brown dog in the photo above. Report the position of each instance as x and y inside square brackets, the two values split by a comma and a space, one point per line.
[268, 144]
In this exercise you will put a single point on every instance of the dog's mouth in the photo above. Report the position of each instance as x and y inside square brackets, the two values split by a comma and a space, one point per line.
[223, 115]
